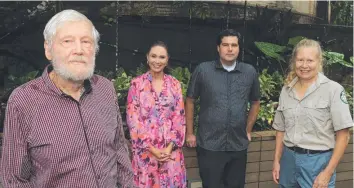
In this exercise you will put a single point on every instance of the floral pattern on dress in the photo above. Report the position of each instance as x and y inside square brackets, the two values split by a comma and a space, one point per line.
[156, 119]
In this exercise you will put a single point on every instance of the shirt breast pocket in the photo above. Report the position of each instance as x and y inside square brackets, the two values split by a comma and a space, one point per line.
[288, 113]
[317, 112]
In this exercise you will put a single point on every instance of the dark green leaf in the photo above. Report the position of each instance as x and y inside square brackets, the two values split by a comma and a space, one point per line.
[347, 64]
[294, 40]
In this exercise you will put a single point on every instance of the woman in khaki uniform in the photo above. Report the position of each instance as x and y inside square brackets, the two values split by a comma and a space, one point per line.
[312, 123]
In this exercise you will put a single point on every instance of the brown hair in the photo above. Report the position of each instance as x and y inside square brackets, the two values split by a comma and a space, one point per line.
[158, 43]
[303, 43]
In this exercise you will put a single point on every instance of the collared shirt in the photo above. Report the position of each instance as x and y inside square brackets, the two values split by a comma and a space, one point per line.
[51, 140]
[311, 122]
[229, 68]
[224, 97]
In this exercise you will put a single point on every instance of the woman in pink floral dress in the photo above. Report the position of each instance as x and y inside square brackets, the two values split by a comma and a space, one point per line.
[155, 116]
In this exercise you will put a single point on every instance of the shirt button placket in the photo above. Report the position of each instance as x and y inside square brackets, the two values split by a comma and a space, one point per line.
[228, 109]
[296, 119]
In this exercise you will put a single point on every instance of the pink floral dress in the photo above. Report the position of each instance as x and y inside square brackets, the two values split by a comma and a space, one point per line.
[156, 119]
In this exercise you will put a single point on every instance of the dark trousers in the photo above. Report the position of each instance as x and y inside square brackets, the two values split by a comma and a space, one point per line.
[222, 169]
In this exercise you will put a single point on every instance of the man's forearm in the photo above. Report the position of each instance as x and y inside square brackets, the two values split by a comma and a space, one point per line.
[252, 115]
[189, 115]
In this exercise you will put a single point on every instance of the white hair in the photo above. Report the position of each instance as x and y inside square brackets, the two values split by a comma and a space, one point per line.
[64, 16]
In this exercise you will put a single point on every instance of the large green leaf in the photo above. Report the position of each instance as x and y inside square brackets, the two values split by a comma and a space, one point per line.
[269, 46]
[271, 50]
[294, 40]
[351, 59]
[347, 64]
[335, 57]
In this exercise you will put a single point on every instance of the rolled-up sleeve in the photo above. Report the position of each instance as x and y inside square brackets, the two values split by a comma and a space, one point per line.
[15, 163]
[278, 123]
[339, 109]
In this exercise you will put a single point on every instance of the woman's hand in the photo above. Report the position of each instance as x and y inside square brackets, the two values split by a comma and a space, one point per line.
[168, 149]
[276, 171]
[161, 155]
[322, 180]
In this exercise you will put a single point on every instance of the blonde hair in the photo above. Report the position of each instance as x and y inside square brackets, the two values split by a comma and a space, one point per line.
[303, 43]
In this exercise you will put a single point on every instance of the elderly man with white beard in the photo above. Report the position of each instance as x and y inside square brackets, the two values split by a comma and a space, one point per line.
[64, 128]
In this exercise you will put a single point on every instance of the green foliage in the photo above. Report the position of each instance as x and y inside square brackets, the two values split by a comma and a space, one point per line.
[278, 53]
[336, 58]
[183, 75]
[271, 50]
[349, 95]
[267, 84]
[294, 40]
[342, 12]
[122, 83]
[141, 69]
[266, 115]
[348, 86]
[270, 85]
[23, 79]
[201, 10]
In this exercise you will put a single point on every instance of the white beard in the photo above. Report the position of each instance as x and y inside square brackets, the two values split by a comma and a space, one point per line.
[63, 71]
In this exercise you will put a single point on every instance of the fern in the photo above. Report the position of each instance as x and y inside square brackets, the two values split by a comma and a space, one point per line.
[183, 75]
[141, 69]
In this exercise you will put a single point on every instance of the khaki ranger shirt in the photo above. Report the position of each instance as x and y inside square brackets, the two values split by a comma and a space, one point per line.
[311, 123]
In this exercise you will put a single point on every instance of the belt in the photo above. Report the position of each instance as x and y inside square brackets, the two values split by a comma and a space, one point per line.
[307, 151]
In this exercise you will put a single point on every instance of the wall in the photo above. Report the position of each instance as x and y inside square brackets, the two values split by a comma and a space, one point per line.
[260, 164]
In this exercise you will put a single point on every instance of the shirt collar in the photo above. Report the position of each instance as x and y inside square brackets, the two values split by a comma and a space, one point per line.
[50, 84]
[218, 65]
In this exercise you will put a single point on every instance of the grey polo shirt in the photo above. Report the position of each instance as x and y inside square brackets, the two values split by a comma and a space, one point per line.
[224, 98]
[311, 122]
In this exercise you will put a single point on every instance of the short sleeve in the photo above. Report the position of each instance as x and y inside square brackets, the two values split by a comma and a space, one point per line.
[278, 123]
[255, 94]
[339, 109]
[194, 84]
